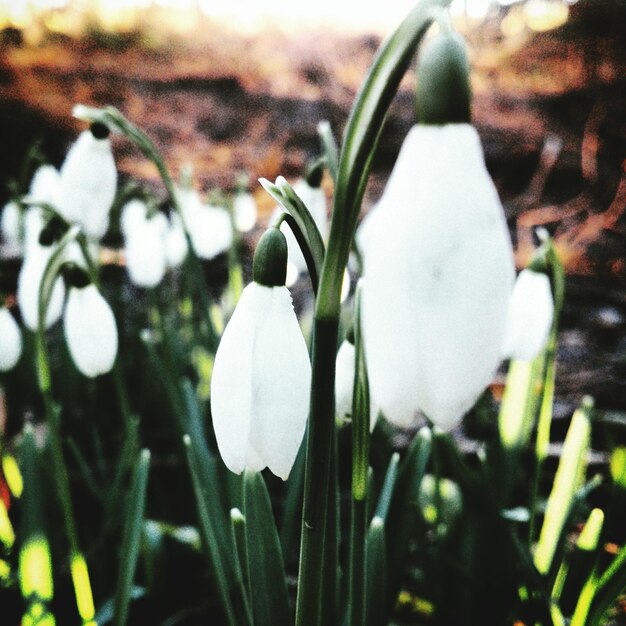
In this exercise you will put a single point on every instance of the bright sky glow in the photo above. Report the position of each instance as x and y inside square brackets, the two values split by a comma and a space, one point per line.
[245, 15]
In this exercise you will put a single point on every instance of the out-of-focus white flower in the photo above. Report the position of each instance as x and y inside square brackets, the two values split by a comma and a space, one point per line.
[88, 184]
[176, 247]
[45, 185]
[90, 331]
[33, 225]
[438, 278]
[28, 284]
[531, 310]
[245, 212]
[210, 227]
[344, 383]
[10, 340]
[314, 199]
[144, 239]
[261, 383]
[10, 224]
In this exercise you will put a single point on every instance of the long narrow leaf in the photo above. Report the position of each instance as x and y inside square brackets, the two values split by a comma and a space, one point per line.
[270, 603]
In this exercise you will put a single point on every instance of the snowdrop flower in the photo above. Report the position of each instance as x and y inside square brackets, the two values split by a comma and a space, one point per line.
[262, 374]
[10, 224]
[210, 227]
[45, 185]
[88, 181]
[10, 340]
[145, 244]
[245, 212]
[344, 383]
[531, 310]
[439, 273]
[176, 247]
[90, 330]
[28, 285]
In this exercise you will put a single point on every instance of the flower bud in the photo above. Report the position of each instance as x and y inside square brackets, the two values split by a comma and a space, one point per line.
[10, 340]
[90, 331]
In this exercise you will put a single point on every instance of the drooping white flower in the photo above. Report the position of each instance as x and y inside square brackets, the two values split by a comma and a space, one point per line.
[45, 185]
[10, 340]
[176, 247]
[33, 225]
[90, 331]
[10, 224]
[144, 239]
[88, 183]
[531, 310]
[28, 284]
[245, 212]
[210, 227]
[439, 273]
[261, 380]
[344, 383]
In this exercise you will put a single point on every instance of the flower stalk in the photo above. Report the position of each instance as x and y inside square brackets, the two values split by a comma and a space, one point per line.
[361, 137]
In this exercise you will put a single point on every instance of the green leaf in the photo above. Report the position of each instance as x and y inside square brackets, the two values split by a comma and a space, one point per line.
[270, 603]
[402, 514]
[376, 573]
[131, 538]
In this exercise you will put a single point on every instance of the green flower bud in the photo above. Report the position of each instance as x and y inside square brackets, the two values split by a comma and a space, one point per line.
[269, 267]
[443, 93]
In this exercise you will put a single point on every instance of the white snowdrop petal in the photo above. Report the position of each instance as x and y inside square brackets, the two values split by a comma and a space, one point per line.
[132, 216]
[33, 225]
[530, 314]
[145, 252]
[281, 384]
[245, 212]
[344, 379]
[10, 224]
[88, 184]
[231, 390]
[175, 242]
[10, 341]
[28, 284]
[211, 231]
[90, 331]
[439, 274]
[45, 185]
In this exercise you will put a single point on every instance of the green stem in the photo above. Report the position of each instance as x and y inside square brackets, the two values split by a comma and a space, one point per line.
[358, 559]
[361, 137]
[82, 585]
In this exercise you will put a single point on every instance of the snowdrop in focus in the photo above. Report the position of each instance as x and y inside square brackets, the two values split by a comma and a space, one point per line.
[531, 311]
[262, 374]
[439, 273]
[90, 331]
[88, 182]
[10, 340]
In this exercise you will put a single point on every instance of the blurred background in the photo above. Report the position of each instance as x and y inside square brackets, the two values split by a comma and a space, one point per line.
[234, 88]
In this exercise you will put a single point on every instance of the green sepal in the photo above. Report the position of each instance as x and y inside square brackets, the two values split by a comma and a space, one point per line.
[443, 93]
[269, 267]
